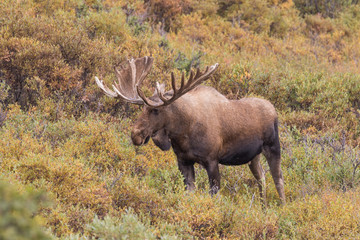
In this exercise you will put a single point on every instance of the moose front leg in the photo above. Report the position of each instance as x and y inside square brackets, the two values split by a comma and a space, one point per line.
[212, 169]
[187, 170]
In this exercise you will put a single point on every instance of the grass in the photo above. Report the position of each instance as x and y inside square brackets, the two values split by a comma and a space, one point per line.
[100, 185]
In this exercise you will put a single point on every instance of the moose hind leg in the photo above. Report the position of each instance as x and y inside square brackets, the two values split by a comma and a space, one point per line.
[212, 169]
[272, 154]
[258, 172]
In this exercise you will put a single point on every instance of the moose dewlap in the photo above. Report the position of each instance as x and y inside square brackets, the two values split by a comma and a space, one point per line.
[201, 125]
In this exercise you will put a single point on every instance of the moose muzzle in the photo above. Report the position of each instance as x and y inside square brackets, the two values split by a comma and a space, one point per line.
[138, 138]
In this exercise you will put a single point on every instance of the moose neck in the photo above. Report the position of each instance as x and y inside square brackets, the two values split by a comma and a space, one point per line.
[178, 121]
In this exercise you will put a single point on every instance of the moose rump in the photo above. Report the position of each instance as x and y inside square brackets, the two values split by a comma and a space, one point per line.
[243, 142]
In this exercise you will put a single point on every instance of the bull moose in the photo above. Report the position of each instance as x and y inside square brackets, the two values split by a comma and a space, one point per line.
[201, 125]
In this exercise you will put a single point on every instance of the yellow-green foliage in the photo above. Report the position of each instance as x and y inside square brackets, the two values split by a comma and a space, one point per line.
[328, 215]
[60, 134]
[16, 211]
[89, 168]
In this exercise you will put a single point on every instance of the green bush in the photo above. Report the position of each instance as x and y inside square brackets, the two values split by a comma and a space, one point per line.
[18, 214]
[129, 226]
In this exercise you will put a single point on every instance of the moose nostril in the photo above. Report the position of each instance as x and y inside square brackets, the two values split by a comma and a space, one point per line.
[137, 140]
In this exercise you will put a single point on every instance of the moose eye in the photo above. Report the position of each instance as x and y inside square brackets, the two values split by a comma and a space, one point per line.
[155, 111]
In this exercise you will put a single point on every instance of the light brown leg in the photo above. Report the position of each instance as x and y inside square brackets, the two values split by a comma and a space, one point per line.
[274, 161]
[258, 172]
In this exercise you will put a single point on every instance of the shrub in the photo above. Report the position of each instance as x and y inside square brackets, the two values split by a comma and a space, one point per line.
[326, 8]
[129, 226]
[167, 12]
[17, 213]
[317, 24]
[333, 214]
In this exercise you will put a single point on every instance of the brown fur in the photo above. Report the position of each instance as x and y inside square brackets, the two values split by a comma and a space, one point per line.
[205, 127]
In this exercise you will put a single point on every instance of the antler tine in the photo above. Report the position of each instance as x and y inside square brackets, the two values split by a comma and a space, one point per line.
[182, 81]
[195, 78]
[107, 91]
[198, 72]
[188, 83]
[160, 93]
[144, 98]
[173, 83]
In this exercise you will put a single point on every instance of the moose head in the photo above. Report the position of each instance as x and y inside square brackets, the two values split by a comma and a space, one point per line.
[153, 119]
[201, 125]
